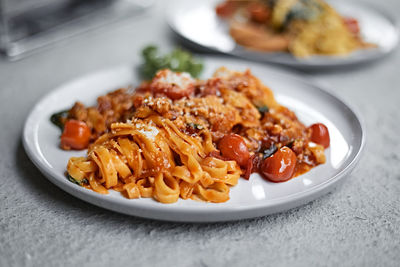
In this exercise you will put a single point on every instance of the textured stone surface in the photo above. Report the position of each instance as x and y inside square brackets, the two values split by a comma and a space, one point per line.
[41, 225]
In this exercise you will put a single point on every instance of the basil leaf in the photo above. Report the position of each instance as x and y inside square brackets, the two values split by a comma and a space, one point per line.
[178, 60]
[269, 151]
[76, 181]
[56, 119]
[263, 109]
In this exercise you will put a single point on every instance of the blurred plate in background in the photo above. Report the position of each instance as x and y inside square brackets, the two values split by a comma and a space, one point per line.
[197, 22]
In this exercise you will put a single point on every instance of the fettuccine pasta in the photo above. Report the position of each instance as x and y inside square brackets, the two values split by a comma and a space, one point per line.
[137, 158]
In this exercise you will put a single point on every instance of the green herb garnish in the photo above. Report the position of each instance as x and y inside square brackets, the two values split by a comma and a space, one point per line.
[195, 126]
[263, 109]
[58, 119]
[290, 144]
[76, 181]
[178, 60]
[269, 151]
[306, 10]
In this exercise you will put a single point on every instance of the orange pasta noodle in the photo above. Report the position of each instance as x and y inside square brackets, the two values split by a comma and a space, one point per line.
[137, 158]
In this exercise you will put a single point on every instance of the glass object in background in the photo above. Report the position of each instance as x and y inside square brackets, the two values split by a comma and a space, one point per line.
[27, 25]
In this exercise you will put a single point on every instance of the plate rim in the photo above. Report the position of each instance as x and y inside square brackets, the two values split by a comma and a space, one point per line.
[247, 54]
[167, 212]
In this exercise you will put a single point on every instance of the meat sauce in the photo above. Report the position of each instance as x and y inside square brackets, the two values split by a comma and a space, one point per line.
[246, 123]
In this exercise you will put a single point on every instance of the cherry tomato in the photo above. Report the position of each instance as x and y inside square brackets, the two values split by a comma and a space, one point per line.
[259, 12]
[233, 147]
[76, 135]
[352, 25]
[320, 134]
[252, 166]
[225, 9]
[280, 166]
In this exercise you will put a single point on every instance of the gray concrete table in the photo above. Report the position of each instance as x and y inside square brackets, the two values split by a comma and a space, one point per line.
[41, 225]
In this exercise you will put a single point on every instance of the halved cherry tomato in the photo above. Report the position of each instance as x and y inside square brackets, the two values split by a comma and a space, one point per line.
[76, 135]
[320, 134]
[233, 147]
[352, 25]
[280, 166]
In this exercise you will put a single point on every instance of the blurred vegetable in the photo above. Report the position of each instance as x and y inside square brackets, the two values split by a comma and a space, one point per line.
[226, 9]
[286, 11]
[305, 10]
[178, 60]
[259, 12]
[352, 25]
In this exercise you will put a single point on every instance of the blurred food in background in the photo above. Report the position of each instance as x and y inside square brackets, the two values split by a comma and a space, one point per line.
[301, 27]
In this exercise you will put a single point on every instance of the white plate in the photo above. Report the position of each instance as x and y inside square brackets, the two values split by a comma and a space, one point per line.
[253, 198]
[197, 22]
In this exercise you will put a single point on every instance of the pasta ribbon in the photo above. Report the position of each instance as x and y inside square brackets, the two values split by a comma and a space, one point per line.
[138, 159]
